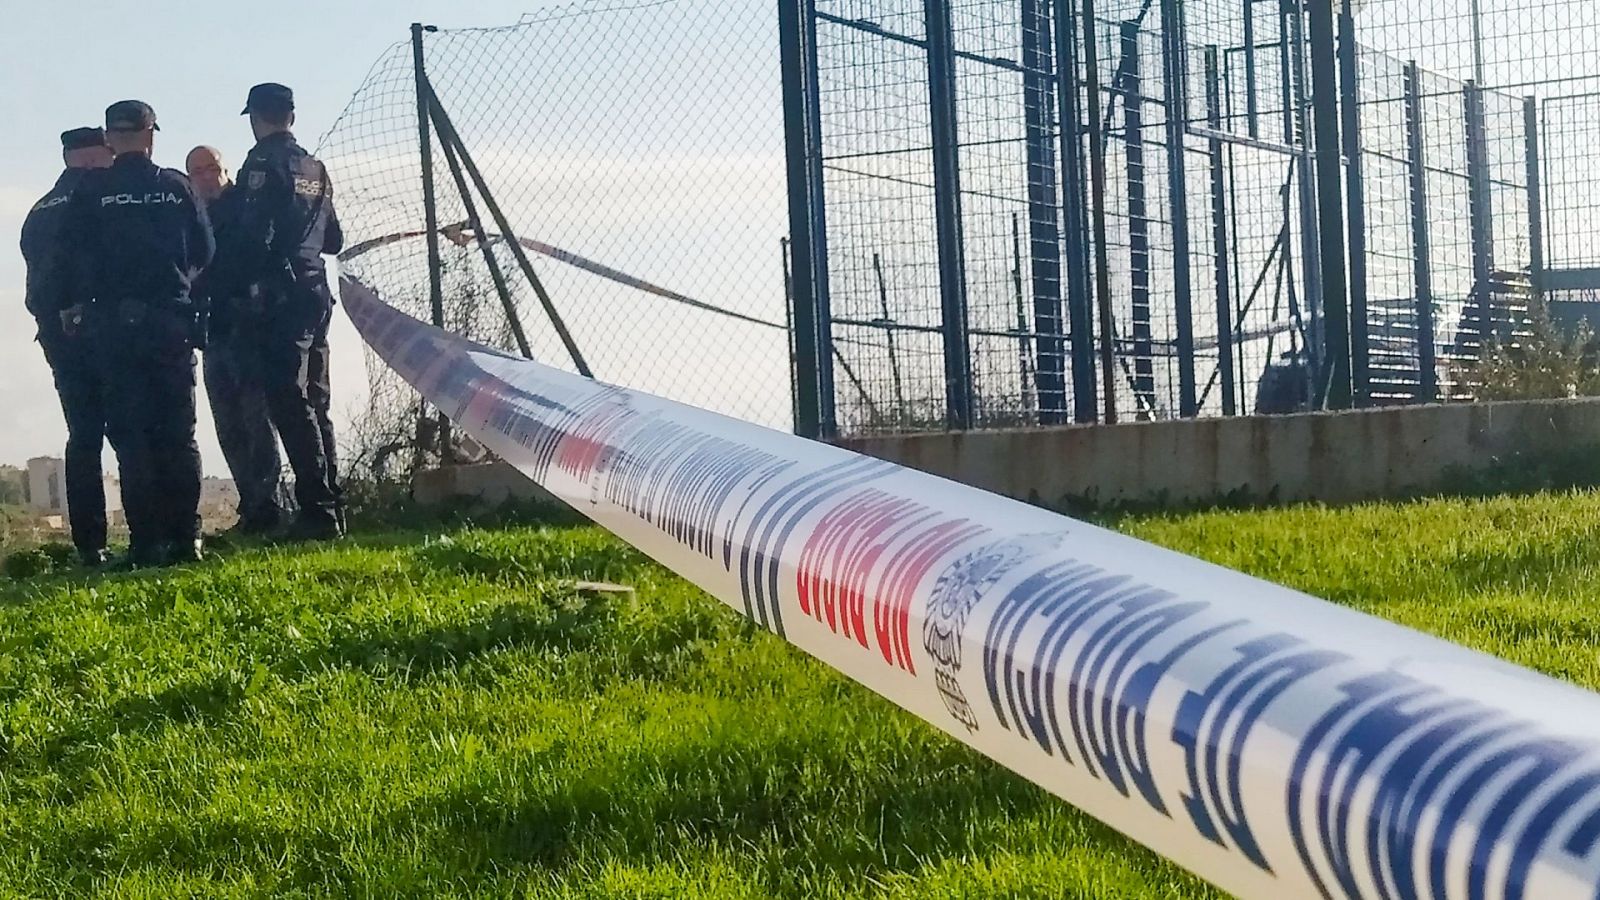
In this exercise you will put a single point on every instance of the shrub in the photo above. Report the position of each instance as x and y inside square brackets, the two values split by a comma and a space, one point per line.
[1545, 363]
[61, 556]
[26, 564]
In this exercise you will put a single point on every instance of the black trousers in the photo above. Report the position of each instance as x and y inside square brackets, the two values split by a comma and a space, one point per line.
[149, 367]
[299, 397]
[235, 376]
[83, 403]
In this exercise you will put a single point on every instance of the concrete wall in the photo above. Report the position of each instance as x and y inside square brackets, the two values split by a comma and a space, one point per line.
[1334, 457]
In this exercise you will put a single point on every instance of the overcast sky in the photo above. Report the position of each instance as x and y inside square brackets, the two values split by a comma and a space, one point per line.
[194, 63]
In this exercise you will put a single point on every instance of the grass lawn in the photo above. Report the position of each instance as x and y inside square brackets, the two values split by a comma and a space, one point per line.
[416, 715]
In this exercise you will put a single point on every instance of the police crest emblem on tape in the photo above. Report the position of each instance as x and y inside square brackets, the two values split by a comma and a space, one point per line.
[951, 602]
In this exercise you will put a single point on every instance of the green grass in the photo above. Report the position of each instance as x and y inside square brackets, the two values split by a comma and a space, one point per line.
[407, 715]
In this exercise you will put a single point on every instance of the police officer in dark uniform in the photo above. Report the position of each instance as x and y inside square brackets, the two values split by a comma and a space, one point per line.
[44, 241]
[141, 238]
[273, 258]
[235, 384]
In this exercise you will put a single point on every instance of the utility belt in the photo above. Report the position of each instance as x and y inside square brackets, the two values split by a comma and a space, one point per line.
[133, 313]
[285, 289]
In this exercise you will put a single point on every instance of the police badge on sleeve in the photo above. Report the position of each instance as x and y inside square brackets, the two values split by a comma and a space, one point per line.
[952, 600]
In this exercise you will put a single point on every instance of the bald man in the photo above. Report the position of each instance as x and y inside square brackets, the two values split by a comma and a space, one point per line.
[235, 385]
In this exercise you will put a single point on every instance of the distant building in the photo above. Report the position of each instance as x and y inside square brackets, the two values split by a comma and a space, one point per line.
[47, 489]
[47, 493]
[218, 497]
[47, 486]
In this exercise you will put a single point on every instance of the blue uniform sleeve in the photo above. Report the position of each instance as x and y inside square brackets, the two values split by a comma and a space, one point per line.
[44, 252]
[333, 241]
[41, 263]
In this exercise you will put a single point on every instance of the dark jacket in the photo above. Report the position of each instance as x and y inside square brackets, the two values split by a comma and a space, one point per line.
[286, 220]
[44, 246]
[138, 234]
[225, 213]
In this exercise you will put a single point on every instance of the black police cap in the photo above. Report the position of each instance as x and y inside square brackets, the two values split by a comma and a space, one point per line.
[82, 138]
[131, 115]
[269, 97]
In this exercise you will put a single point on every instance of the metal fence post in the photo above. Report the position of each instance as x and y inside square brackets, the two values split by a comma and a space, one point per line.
[1298, 135]
[448, 135]
[947, 206]
[1097, 187]
[1481, 217]
[481, 237]
[1080, 313]
[1219, 235]
[821, 283]
[1175, 78]
[1334, 381]
[813, 364]
[1044, 235]
[1132, 90]
[1252, 110]
[1530, 127]
[1422, 275]
[430, 210]
[1350, 103]
[788, 322]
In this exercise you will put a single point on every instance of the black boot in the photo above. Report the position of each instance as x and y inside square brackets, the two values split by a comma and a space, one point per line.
[315, 529]
[252, 529]
[184, 552]
[256, 527]
[143, 556]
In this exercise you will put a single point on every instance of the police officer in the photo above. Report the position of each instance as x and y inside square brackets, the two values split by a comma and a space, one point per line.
[273, 257]
[141, 237]
[44, 242]
[233, 370]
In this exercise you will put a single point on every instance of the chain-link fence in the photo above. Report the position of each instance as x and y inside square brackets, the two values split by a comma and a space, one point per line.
[1173, 258]
[990, 213]
[632, 155]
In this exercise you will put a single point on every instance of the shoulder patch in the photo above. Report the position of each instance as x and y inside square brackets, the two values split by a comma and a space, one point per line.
[49, 202]
[256, 180]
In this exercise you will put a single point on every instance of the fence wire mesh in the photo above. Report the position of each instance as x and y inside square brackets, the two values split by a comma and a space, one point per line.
[638, 150]
[1444, 105]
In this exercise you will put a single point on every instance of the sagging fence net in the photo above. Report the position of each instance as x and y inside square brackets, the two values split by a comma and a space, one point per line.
[636, 152]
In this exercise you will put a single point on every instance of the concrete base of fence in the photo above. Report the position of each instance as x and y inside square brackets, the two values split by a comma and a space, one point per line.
[485, 485]
[1332, 457]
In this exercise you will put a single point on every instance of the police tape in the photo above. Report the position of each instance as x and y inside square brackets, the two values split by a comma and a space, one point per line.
[1275, 744]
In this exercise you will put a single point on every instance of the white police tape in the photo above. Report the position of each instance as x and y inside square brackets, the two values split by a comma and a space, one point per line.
[1275, 744]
